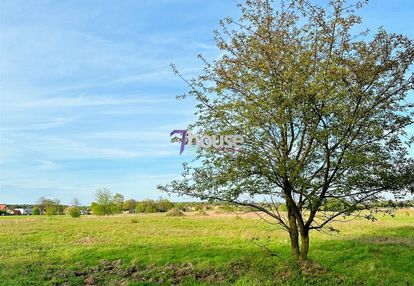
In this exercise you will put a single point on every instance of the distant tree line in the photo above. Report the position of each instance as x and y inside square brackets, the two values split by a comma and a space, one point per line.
[107, 203]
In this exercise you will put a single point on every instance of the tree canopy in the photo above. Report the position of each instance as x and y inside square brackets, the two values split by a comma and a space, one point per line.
[323, 112]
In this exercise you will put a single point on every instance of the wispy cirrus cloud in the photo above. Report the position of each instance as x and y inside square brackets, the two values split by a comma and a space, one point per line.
[90, 100]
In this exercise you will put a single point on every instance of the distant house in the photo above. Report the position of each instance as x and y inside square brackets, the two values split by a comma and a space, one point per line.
[25, 211]
[4, 209]
[84, 212]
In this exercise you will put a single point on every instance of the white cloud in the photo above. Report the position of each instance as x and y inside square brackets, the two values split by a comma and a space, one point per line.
[48, 165]
[53, 123]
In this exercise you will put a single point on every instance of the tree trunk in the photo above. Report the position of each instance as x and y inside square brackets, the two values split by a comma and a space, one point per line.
[296, 227]
[294, 243]
[304, 244]
[294, 235]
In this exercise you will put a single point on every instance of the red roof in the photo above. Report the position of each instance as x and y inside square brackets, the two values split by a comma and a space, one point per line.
[3, 207]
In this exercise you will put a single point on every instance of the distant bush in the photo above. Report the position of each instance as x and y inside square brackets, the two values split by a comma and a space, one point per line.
[98, 209]
[50, 207]
[151, 209]
[36, 211]
[139, 207]
[334, 204]
[74, 212]
[151, 206]
[147, 206]
[174, 212]
[130, 205]
[164, 205]
[51, 210]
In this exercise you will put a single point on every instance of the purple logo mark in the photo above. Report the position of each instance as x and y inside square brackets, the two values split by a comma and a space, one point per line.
[183, 138]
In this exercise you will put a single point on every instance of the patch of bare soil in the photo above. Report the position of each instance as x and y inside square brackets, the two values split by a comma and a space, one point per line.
[312, 269]
[119, 273]
[86, 240]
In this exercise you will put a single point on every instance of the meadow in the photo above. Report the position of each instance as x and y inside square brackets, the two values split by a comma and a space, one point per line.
[200, 249]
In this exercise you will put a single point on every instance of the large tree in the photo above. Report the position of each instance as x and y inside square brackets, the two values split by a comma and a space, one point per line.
[323, 113]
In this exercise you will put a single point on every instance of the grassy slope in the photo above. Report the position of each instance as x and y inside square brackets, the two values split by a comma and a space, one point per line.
[52, 250]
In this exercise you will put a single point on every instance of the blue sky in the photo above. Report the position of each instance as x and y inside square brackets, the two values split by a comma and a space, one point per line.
[88, 97]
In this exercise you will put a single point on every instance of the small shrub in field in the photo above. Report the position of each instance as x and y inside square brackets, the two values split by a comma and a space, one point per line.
[36, 211]
[164, 205]
[74, 212]
[174, 212]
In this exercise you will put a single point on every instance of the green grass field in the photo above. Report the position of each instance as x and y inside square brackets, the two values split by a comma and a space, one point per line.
[218, 249]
